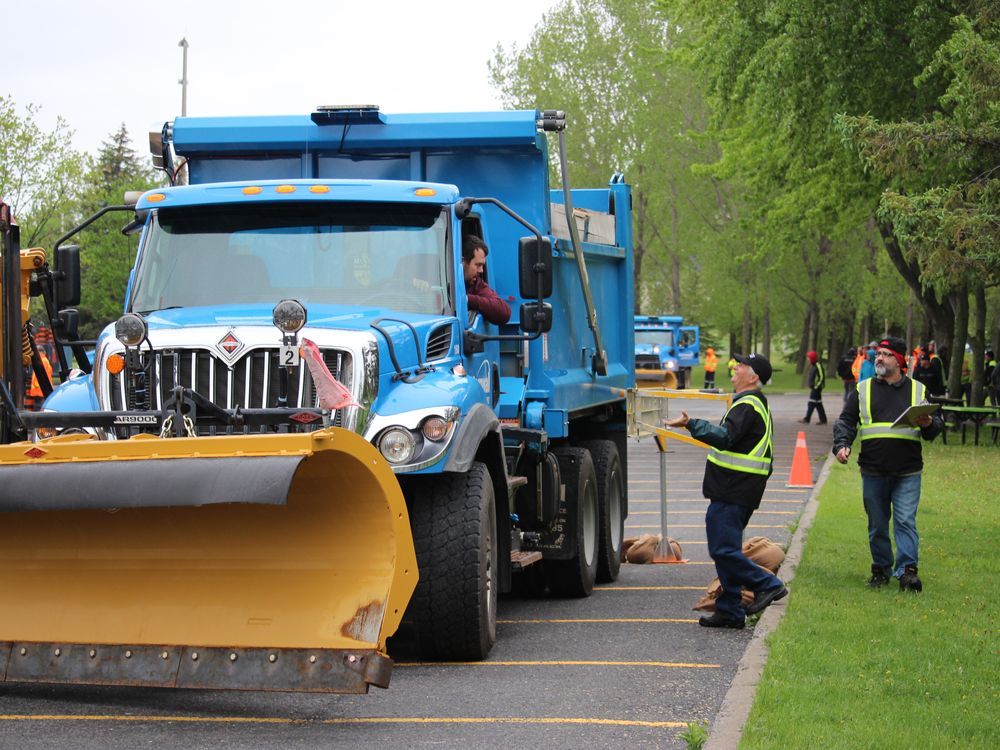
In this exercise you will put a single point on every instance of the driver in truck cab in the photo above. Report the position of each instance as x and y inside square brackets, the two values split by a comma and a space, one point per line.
[478, 292]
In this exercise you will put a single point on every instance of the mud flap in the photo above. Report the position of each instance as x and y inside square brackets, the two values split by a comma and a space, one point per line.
[277, 562]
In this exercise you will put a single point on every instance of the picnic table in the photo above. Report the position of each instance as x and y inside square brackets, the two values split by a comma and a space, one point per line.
[976, 414]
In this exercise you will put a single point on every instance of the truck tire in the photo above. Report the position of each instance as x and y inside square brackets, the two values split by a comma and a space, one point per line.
[611, 496]
[575, 577]
[454, 606]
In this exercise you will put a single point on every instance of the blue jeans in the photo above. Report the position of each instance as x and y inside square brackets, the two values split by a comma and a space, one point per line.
[897, 498]
[724, 524]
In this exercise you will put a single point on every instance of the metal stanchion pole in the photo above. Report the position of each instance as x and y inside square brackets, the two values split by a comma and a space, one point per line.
[664, 552]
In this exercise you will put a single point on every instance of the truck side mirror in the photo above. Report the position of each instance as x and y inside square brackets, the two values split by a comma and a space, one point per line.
[536, 318]
[534, 268]
[68, 280]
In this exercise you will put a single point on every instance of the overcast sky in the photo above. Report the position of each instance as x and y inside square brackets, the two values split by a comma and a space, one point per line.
[99, 64]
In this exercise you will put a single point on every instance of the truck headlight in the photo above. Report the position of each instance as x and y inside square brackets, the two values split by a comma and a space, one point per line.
[671, 364]
[289, 316]
[397, 445]
[131, 329]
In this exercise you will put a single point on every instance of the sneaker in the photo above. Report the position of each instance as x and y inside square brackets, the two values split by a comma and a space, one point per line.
[717, 620]
[803, 421]
[909, 580]
[763, 599]
[822, 422]
[879, 578]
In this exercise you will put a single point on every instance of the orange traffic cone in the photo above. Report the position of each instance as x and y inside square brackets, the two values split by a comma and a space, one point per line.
[801, 475]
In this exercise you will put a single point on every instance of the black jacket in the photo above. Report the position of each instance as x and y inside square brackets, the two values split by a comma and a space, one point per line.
[817, 377]
[739, 432]
[890, 456]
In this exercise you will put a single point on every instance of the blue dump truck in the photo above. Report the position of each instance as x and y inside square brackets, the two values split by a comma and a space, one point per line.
[303, 428]
[665, 351]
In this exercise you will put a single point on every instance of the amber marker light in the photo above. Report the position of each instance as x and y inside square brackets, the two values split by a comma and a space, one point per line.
[319, 189]
[253, 190]
[284, 189]
[115, 364]
[425, 192]
[156, 197]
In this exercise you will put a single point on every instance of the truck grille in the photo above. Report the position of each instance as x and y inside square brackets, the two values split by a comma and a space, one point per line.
[647, 362]
[251, 382]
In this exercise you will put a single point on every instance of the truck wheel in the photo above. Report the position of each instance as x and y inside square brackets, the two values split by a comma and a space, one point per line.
[611, 496]
[454, 607]
[575, 577]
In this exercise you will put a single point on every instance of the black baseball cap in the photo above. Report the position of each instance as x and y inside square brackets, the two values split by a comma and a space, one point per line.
[756, 362]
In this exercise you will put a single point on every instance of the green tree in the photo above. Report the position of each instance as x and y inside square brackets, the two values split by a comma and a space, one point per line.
[776, 73]
[107, 255]
[942, 199]
[601, 62]
[39, 173]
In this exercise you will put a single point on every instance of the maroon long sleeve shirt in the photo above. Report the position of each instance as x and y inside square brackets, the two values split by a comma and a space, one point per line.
[488, 302]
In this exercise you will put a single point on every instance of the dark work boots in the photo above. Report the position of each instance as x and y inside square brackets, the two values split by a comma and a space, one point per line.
[909, 581]
[879, 577]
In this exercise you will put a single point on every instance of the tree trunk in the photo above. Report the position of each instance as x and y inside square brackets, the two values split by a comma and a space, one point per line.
[800, 355]
[747, 327]
[732, 343]
[909, 326]
[939, 312]
[978, 346]
[638, 249]
[675, 258]
[960, 302]
[765, 346]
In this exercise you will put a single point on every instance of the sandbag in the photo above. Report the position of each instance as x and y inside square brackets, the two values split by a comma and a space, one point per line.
[764, 552]
[642, 549]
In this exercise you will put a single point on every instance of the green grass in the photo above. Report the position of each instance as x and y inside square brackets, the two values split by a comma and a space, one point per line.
[851, 667]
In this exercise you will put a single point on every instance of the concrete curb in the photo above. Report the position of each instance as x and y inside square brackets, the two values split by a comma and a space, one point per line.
[728, 725]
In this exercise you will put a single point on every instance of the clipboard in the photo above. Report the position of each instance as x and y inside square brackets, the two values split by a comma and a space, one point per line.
[909, 417]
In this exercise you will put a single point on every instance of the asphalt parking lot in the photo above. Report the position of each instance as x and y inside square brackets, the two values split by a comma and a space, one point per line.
[628, 666]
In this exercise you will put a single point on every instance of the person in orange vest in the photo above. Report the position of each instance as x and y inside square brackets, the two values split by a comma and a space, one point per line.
[711, 361]
[35, 395]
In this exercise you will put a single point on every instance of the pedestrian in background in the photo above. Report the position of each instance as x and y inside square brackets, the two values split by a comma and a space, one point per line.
[845, 374]
[816, 380]
[929, 375]
[736, 473]
[988, 370]
[711, 361]
[890, 461]
[868, 366]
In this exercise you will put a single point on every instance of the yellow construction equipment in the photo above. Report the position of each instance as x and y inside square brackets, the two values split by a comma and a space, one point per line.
[277, 562]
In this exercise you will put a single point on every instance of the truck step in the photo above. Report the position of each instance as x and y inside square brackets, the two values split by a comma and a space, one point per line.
[520, 559]
[513, 482]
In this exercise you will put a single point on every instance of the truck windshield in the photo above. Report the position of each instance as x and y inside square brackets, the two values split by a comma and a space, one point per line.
[663, 338]
[369, 255]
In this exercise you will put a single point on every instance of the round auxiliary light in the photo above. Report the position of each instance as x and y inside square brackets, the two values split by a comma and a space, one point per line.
[115, 364]
[435, 428]
[131, 329]
[397, 445]
[289, 316]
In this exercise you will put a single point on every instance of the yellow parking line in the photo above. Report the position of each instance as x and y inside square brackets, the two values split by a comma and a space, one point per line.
[699, 512]
[649, 588]
[512, 720]
[701, 526]
[597, 620]
[581, 663]
[347, 720]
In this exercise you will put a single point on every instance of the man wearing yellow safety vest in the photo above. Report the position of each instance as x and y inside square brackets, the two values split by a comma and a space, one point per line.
[890, 461]
[739, 464]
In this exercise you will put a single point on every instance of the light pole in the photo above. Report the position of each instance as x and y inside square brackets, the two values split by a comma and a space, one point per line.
[183, 43]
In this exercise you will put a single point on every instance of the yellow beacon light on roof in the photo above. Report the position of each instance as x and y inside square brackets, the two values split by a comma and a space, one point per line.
[156, 197]
[425, 192]
[285, 189]
[253, 190]
[319, 189]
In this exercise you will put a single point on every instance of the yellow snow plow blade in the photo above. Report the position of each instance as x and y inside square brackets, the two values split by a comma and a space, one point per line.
[277, 562]
[656, 379]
